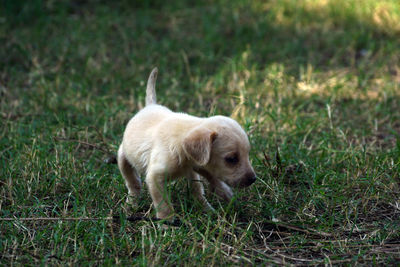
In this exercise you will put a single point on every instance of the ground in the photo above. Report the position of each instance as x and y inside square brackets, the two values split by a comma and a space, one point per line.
[314, 83]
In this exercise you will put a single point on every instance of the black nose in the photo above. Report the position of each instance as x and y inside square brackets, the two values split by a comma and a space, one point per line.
[250, 178]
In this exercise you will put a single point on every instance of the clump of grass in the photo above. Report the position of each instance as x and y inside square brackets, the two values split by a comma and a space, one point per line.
[314, 83]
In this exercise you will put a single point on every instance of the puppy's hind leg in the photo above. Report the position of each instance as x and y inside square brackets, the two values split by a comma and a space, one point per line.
[132, 179]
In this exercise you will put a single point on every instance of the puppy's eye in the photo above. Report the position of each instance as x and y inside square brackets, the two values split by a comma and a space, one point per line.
[232, 160]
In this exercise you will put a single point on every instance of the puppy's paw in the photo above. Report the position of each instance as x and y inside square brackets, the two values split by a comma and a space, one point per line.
[207, 208]
[165, 213]
[131, 200]
[224, 192]
[131, 204]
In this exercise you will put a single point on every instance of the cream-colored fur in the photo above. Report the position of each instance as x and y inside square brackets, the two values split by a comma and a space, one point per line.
[165, 145]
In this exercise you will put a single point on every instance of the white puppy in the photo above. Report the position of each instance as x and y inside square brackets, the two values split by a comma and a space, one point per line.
[165, 145]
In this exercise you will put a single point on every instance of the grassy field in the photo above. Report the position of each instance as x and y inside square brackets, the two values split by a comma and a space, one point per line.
[314, 83]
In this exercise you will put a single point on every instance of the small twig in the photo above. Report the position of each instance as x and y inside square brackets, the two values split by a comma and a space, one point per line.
[282, 255]
[306, 231]
[309, 231]
[54, 219]
[83, 143]
[9, 116]
[111, 159]
[352, 260]
[115, 219]
[391, 246]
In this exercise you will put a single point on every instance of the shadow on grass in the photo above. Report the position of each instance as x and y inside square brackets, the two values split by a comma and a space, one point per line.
[184, 35]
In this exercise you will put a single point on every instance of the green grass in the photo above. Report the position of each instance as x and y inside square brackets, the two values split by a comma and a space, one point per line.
[314, 83]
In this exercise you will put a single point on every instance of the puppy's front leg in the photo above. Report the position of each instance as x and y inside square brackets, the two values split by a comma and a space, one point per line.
[221, 189]
[156, 183]
[198, 190]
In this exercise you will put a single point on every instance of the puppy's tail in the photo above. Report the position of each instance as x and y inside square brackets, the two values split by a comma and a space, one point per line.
[151, 88]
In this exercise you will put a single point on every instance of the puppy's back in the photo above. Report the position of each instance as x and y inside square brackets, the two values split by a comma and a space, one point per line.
[138, 136]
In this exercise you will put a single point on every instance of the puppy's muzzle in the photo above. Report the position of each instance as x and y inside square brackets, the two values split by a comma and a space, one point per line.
[248, 179]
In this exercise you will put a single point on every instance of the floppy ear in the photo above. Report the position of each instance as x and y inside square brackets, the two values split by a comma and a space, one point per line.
[197, 145]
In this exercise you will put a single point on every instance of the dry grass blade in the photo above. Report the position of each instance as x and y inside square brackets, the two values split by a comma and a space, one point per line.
[307, 231]
[112, 218]
[85, 144]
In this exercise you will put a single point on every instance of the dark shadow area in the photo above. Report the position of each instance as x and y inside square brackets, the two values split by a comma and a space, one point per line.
[204, 34]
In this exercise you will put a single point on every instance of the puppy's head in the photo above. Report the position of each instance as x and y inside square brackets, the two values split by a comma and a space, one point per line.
[219, 147]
